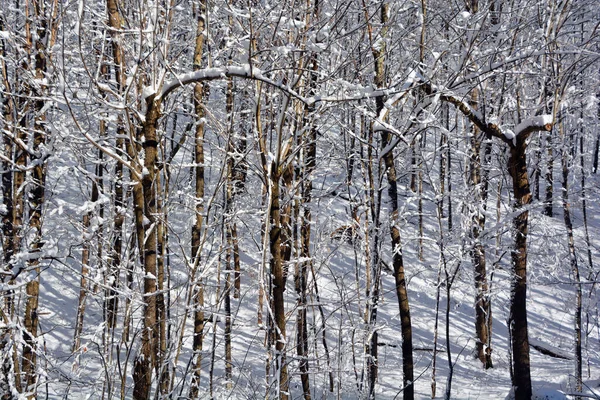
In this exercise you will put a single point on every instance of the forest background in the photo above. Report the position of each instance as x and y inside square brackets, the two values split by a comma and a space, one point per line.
[299, 199]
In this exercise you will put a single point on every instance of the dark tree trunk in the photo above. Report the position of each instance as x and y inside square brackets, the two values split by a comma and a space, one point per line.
[275, 239]
[147, 360]
[517, 167]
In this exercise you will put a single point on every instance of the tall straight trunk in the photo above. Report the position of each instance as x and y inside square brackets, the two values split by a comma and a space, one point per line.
[163, 366]
[8, 118]
[278, 286]
[18, 203]
[517, 168]
[228, 226]
[584, 203]
[373, 268]
[10, 365]
[397, 259]
[549, 177]
[36, 198]
[596, 150]
[116, 250]
[200, 91]
[147, 359]
[566, 165]
[301, 274]
[305, 178]
[85, 269]
[399, 275]
[228, 320]
[423, 139]
[477, 225]
[373, 260]
[112, 301]
[449, 183]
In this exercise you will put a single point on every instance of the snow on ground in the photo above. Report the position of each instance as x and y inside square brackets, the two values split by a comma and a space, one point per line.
[340, 280]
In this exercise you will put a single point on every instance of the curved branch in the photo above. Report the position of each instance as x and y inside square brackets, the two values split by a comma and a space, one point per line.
[521, 132]
[208, 74]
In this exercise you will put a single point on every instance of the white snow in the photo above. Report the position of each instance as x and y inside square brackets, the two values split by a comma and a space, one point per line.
[537, 121]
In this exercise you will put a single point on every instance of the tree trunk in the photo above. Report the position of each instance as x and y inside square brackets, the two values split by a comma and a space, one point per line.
[10, 365]
[397, 259]
[549, 178]
[275, 240]
[477, 224]
[566, 165]
[200, 93]
[112, 301]
[147, 360]
[36, 202]
[517, 167]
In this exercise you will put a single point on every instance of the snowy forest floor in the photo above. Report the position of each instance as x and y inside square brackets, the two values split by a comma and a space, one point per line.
[340, 280]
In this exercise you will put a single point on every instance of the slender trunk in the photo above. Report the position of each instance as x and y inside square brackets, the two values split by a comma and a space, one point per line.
[227, 300]
[200, 93]
[21, 161]
[449, 282]
[477, 223]
[112, 300]
[163, 366]
[277, 270]
[584, 203]
[435, 332]
[302, 268]
[375, 196]
[400, 279]
[85, 263]
[111, 304]
[549, 176]
[228, 226]
[442, 265]
[10, 365]
[449, 184]
[397, 259]
[565, 163]
[36, 202]
[305, 178]
[596, 150]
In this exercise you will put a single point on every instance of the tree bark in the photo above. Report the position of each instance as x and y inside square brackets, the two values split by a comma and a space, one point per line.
[147, 360]
[566, 165]
[275, 240]
[36, 202]
[517, 167]
[200, 93]
[477, 225]
[379, 54]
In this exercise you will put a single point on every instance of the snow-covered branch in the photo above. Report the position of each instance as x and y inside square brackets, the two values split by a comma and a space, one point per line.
[244, 71]
[524, 129]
